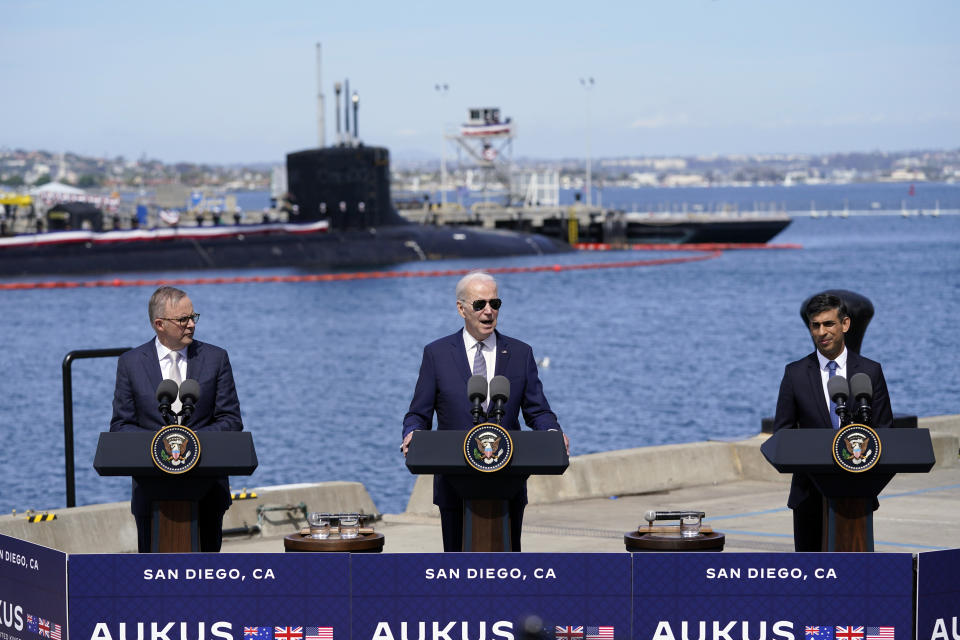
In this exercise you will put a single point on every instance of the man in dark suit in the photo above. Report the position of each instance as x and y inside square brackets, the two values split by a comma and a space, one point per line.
[804, 403]
[448, 363]
[175, 355]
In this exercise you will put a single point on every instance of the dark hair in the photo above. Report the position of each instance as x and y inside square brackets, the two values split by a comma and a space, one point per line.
[825, 302]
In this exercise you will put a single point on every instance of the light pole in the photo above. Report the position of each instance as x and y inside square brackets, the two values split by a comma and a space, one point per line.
[587, 83]
[442, 88]
[356, 107]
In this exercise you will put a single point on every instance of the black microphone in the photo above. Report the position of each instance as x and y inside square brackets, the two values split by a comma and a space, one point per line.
[499, 394]
[189, 395]
[861, 388]
[651, 515]
[477, 393]
[166, 394]
[839, 391]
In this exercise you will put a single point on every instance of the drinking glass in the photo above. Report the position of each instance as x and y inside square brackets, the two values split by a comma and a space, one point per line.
[690, 525]
[349, 525]
[319, 525]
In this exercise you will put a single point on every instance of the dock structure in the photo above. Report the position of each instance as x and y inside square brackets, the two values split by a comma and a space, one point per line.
[601, 497]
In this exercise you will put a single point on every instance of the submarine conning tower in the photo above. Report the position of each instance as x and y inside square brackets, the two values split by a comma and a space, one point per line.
[347, 185]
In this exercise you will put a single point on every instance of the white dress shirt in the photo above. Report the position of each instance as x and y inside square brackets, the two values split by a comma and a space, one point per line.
[163, 355]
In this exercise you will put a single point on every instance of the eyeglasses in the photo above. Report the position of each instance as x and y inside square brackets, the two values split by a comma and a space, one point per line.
[479, 305]
[185, 320]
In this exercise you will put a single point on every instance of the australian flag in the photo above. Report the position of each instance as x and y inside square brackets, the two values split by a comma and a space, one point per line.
[824, 632]
[33, 625]
[258, 633]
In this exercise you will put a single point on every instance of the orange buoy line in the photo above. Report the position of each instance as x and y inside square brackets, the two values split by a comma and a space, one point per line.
[360, 275]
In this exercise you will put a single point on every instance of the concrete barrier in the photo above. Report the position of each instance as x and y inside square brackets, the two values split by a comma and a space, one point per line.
[110, 528]
[675, 466]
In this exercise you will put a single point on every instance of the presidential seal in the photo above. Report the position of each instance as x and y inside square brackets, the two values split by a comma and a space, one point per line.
[175, 449]
[488, 447]
[856, 448]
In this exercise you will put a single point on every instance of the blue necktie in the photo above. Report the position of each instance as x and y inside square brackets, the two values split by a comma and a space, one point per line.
[479, 362]
[834, 418]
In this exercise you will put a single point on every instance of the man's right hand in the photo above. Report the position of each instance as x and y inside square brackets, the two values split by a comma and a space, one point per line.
[405, 445]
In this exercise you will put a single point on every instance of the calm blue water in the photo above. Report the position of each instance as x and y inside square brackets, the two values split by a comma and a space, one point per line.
[638, 356]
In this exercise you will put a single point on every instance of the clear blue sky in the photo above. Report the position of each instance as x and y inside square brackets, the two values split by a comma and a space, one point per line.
[235, 81]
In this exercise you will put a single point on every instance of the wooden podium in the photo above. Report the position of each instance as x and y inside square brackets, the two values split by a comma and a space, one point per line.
[848, 497]
[175, 497]
[486, 496]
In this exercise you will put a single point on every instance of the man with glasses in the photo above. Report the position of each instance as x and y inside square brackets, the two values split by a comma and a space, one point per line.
[477, 349]
[174, 355]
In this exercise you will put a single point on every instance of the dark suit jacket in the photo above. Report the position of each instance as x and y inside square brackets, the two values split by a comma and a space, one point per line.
[802, 404]
[135, 403]
[442, 389]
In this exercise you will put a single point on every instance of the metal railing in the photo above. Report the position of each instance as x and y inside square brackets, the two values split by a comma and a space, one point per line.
[80, 354]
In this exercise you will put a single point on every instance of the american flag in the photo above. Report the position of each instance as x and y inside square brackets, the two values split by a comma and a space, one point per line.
[880, 633]
[599, 633]
[292, 633]
[31, 623]
[54, 631]
[818, 632]
[44, 628]
[319, 633]
[569, 633]
[849, 633]
[258, 633]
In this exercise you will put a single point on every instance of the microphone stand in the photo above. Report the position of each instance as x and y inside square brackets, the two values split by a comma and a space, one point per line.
[477, 410]
[496, 410]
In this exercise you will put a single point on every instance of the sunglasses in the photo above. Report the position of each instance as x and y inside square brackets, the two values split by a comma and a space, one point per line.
[478, 305]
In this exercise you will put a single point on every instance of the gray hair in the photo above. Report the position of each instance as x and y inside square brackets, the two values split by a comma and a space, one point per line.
[161, 298]
[466, 280]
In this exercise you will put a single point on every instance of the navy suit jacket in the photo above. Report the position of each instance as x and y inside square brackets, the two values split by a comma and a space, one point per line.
[442, 389]
[135, 404]
[802, 404]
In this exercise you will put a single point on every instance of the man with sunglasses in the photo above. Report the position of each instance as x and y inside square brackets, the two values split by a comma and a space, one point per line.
[477, 349]
[174, 355]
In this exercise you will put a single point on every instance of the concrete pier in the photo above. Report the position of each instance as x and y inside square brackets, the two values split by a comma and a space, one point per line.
[589, 508]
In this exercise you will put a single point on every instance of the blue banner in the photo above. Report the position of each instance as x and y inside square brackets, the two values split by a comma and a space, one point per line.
[487, 596]
[475, 596]
[33, 591]
[227, 596]
[938, 595]
[773, 596]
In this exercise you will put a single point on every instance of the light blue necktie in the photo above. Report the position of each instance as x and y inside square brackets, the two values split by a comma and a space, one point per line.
[834, 418]
[479, 362]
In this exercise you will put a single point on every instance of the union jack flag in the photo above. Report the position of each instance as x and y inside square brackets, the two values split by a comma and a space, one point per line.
[258, 633]
[880, 633]
[849, 633]
[319, 633]
[32, 623]
[599, 633]
[44, 628]
[295, 633]
[569, 633]
[818, 633]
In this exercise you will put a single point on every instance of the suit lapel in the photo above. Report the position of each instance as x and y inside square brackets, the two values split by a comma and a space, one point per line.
[503, 355]
[194, 360]
[458, 351]
[151, 364]
[816, 388]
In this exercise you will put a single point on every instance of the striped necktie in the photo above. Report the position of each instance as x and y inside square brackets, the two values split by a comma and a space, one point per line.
[834, 418]
[479, 362]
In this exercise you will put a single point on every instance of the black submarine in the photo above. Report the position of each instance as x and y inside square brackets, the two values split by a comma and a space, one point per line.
[343, 217]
